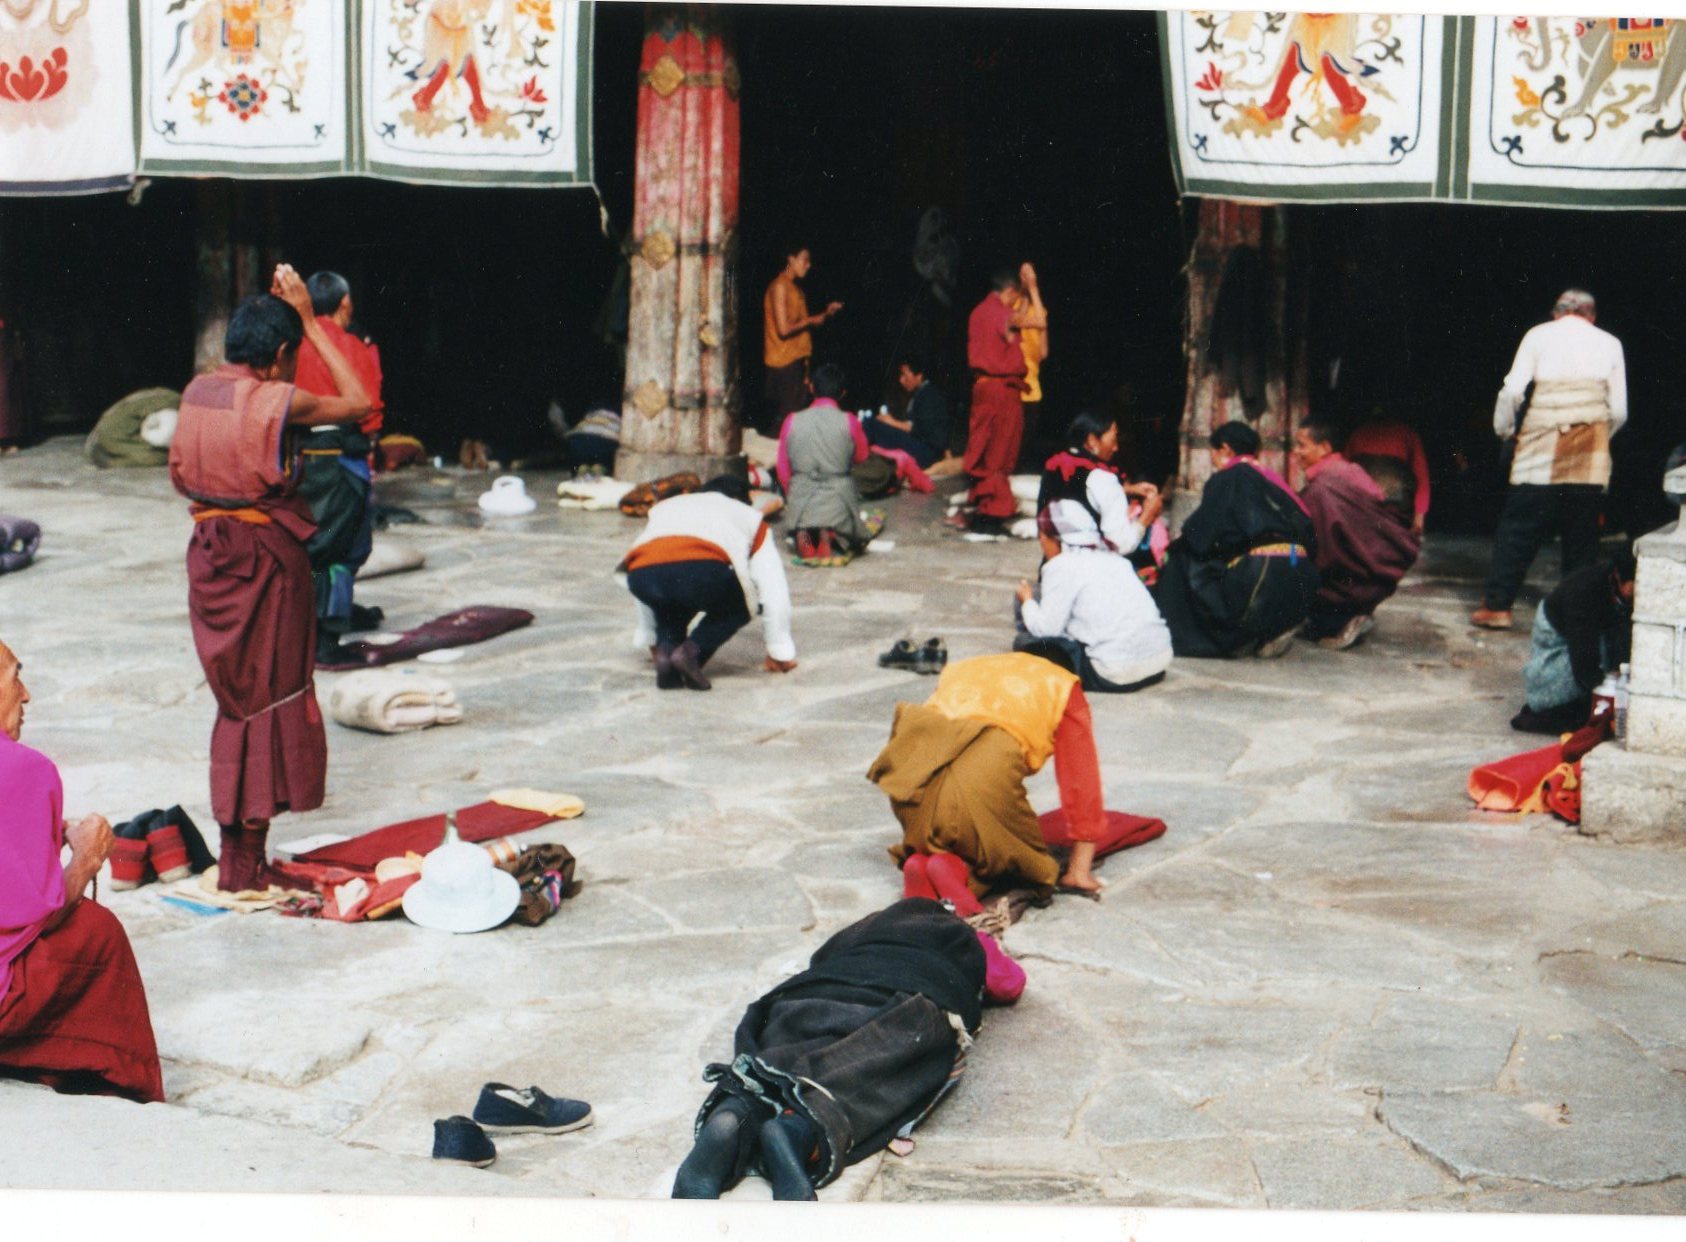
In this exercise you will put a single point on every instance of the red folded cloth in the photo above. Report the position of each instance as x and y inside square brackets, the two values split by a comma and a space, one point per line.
[1507, 784]
[482, 822]
[1122, 831]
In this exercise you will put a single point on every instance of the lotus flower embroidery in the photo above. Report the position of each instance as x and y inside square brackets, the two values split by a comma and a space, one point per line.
[31, 82]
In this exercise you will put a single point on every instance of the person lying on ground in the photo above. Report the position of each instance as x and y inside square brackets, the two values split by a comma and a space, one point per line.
[1364, 545]
[334, 471]
[1240, 578]
[707, 553]
[1092, 603]
[833, 1063]
[925, 433]
[1581, 632]
[250, 598]
[1086, 494]
[955, 770]
[818, 448]
[73, 1011]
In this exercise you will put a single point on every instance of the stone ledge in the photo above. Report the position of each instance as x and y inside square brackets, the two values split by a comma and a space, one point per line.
[1630, 798]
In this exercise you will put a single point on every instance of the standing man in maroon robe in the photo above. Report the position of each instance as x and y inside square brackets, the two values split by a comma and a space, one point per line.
[996, 357]
[1364, 545]
[250, 596]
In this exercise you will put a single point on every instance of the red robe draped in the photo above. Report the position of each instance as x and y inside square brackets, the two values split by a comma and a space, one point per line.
[72, 1007]
[252, 607]
[997, 422]
[1363, 548]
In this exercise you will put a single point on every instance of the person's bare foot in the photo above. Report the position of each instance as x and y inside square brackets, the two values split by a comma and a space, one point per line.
[1491, 618]
[1081, 882]
[778, 666]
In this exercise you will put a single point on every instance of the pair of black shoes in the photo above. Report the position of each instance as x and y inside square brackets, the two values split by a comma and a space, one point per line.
[930, 659]
[504, 1109]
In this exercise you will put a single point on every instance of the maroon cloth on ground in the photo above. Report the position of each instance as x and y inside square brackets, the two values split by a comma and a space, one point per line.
[1363, 547]
[75, 1014]
[253, 611]
[484, 821]
[454, 629]
[1122, 831]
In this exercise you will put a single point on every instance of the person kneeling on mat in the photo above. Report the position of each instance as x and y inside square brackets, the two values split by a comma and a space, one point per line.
[955, 770]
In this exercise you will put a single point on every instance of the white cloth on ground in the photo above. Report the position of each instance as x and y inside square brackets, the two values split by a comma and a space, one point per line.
[1096, 598]
[391, 556]
[384, 700]
[591, 495]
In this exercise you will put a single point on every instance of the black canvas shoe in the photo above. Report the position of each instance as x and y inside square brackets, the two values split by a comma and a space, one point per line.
[503, 1109]
[903, 655]
[460, 1140]
[933, 657]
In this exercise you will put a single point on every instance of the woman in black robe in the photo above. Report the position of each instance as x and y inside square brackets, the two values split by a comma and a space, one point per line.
[1241, 574]
[835, 1062]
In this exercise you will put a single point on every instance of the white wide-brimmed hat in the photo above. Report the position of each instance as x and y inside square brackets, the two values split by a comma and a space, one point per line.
[461, 891]
[508, 497]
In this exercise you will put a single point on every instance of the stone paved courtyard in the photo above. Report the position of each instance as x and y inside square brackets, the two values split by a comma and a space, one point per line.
[1332, 984]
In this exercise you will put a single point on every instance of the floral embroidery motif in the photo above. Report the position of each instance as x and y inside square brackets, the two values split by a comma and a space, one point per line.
[244, 97]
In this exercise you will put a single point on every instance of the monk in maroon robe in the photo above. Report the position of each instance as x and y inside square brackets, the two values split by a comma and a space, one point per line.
[73, 1011]
[1364, 545]
[250, 596]
[996, 357]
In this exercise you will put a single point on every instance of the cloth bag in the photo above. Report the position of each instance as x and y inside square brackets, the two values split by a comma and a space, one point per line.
[546, 876]
[20, 539]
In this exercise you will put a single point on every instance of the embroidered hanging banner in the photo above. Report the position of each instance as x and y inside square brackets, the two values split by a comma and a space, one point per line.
[65, 85]
[243, 88]
[1333, 107]
[488, 92]
[1568, 112]
[1307, 107]
[481, 92]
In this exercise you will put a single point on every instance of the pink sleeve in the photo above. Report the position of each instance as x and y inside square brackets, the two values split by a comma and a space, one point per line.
[859, 433]
[782, 468]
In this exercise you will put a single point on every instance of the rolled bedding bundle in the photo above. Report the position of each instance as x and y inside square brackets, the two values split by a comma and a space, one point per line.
[385, 700]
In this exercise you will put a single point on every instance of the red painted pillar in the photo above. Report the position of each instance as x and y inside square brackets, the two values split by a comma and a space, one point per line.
[1224, 228]
[681, 405]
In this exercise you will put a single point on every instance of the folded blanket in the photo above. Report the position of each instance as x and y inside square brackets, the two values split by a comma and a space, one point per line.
[454, 629]
[20, 539]
[555, 805]
[591, 494]
[483, 821]
[391, 556]
[641, 499]
[385, 701]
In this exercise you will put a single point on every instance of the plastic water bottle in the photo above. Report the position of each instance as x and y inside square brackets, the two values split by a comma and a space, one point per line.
[1604, 699]
[1623, 677]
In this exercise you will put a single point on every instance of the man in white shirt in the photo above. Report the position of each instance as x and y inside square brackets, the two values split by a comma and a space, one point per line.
[707, 554]
[1561, 467]
[1092, 603]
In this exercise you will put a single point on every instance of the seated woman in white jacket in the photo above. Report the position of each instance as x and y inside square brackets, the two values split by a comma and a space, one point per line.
[1091, 603]
[707, 553]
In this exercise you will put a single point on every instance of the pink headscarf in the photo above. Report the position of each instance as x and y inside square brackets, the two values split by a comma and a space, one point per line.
[31, 837]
